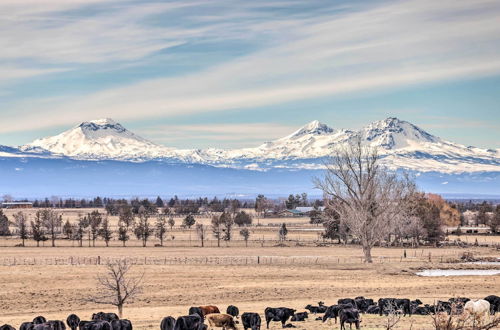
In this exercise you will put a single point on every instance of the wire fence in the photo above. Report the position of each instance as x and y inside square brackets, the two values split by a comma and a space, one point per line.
[212, 260]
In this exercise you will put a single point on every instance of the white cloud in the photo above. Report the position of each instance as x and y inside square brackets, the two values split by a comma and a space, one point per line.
[392, 45]
[228, 135]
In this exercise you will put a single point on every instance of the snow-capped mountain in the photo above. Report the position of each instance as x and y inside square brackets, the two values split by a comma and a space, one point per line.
[99, 139]
[400, 145]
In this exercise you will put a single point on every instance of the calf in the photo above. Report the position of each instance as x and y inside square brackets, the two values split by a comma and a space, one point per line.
[39, 320]
[350, 316]
[224, 321]
[210, 309]
[168, 323]
[233, 311]
[280, 314]
[373, 309]
[300, 317]
[195, 310]
[73, 321]
[316, 309]
[251, 321]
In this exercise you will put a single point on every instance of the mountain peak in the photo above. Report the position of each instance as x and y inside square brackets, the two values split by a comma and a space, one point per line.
[314, 127]
[103, 121]
[394, 133]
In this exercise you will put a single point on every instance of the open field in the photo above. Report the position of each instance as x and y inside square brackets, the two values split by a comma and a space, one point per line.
[56, 290]
[305, 269]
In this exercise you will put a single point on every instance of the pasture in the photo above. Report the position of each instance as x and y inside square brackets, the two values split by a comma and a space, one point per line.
[52, 281]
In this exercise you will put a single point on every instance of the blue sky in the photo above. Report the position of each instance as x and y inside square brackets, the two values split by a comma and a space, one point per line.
[229, 73]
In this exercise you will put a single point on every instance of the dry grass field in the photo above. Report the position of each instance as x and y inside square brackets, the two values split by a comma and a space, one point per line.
[293, 276]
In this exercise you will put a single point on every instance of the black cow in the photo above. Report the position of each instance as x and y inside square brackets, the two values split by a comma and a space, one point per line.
[26, 326]
[168, 323]
[188, 322]
[422, 310]
[300, 317]
[333, 311]
[349, 315]
[39, 320]
[362, 303]
[50, 325]
[122, 324]
[386, 304]
[7, 327]
[197, 311]
[442, 306]
[321, 308]
[346, 301]
[280, 314]
[373, 309]
[251, 321]
[73, 321]
[233, 311]
[494, 303]
[95, 325]
[101, 316]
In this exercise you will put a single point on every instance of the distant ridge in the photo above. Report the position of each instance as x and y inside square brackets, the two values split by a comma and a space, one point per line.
[401, 145]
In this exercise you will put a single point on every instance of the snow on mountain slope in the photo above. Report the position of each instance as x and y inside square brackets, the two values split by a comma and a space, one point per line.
[100, 139]
[400, 145]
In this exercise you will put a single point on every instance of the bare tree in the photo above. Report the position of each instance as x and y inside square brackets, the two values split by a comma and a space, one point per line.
[21, 222]
[143, 229]
[201, 230]
[370, 200]
[217, 228]
[117, 286]
[52, 223]
[161, 228]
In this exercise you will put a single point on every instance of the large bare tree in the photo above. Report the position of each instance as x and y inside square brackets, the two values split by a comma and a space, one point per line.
[369, 199]
[117, 286]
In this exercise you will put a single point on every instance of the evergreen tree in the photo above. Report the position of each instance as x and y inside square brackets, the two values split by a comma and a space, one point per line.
[245, 233]
[189, 221]
[105, 231]
[283, 232]
[94, 220]
[171, 222]
[123, 232]
[37, 229]
[217, 228]
[4, 224]
[159, 202]
[227, 223]
[68, 229]
[21, 223]
[242, 219]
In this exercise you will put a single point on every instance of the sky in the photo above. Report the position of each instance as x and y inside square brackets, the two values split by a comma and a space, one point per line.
[235, 73]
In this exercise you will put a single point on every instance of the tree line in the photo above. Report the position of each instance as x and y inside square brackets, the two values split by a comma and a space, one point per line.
[48, 224]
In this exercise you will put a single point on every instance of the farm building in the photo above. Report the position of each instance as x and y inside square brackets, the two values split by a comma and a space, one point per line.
[17, 205]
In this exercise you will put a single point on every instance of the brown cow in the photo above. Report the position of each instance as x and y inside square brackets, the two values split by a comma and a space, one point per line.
[210, 309]
[224, 321]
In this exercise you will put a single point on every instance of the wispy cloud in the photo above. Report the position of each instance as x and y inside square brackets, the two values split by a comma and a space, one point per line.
[294, 56]
[225, 135]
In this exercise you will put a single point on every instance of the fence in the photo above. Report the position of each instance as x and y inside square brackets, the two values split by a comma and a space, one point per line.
[212, 260]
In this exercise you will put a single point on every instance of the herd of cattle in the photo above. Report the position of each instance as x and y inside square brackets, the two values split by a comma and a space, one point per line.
[347, 310]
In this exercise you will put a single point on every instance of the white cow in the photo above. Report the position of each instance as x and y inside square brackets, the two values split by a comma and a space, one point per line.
[478, 309]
